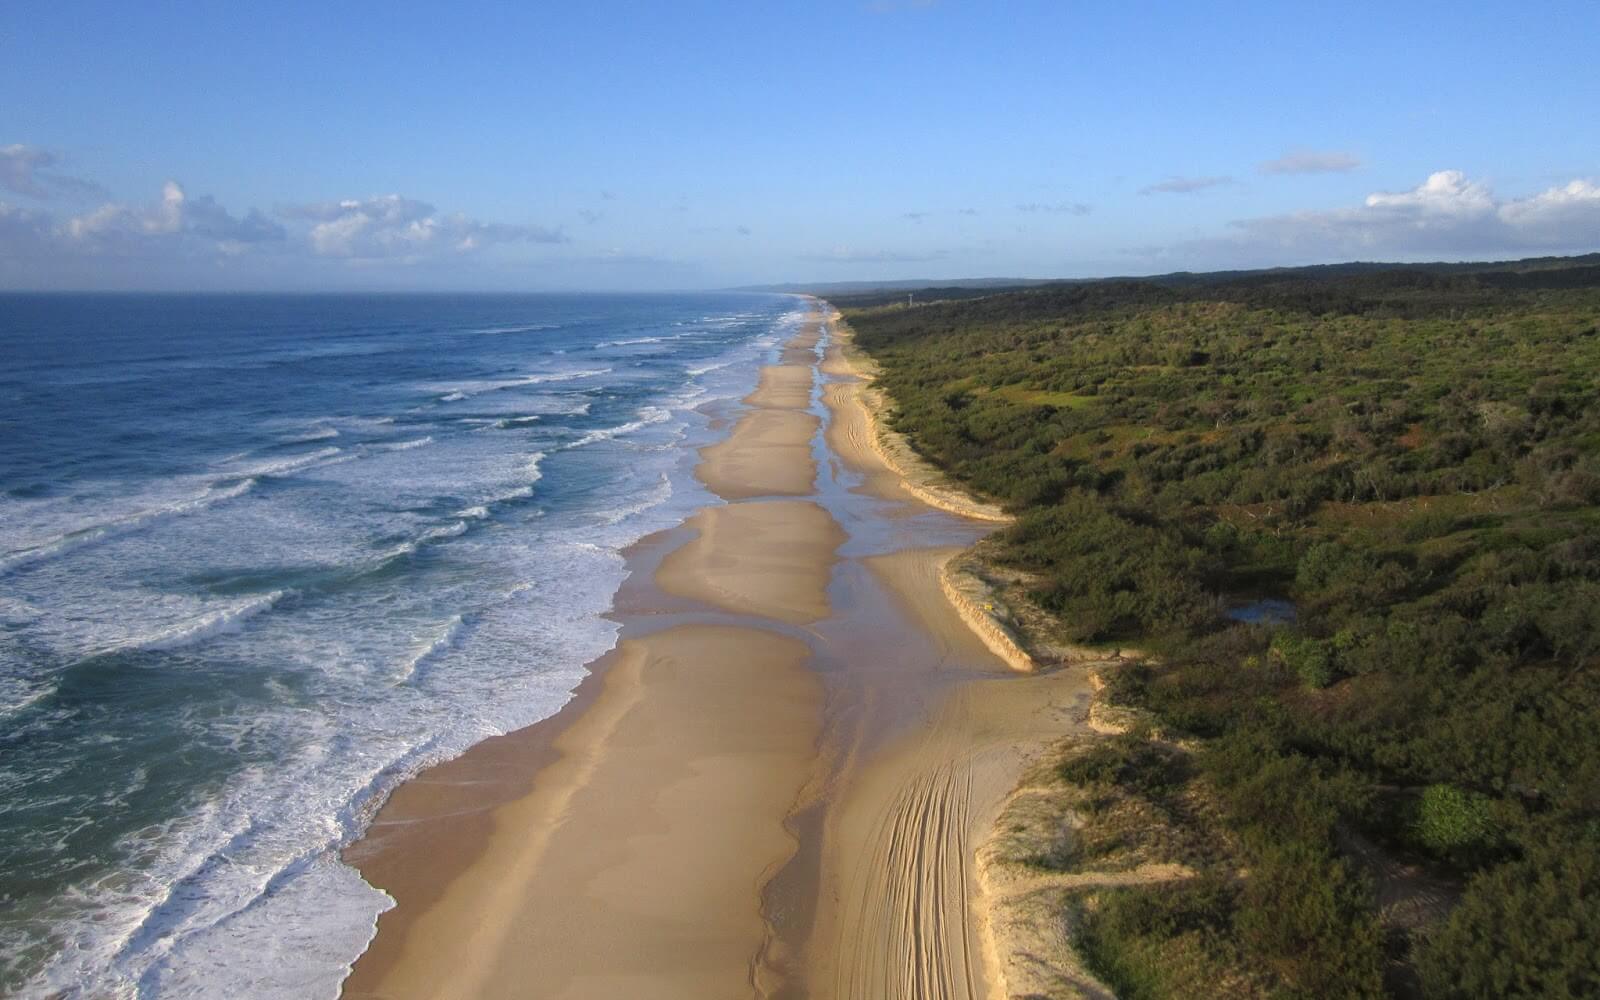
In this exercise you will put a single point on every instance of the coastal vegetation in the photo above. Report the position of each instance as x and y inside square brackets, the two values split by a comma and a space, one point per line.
[1394, 768]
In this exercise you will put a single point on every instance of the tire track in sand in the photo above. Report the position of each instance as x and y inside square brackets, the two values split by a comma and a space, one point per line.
[921, 854]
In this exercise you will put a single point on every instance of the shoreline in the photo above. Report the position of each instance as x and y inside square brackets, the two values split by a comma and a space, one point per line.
[687, 825]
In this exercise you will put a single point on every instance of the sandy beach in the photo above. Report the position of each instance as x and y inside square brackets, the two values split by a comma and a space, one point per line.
[775, 786]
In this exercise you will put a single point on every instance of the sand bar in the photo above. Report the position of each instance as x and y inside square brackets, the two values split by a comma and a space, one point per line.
[629, 870]
[768, 453]
[770, 559]
[785, 387]
[801, 349]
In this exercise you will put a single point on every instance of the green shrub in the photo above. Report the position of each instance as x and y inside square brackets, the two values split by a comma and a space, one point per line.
[1308, 659]
[1452, 822]
[1167, 942]
[1308, 918]
[1525, 930]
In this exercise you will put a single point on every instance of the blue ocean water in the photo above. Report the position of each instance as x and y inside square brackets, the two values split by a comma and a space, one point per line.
[263, 557]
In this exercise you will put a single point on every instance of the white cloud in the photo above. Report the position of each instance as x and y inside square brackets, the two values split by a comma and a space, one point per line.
[1568, 215]
[1185, 185]
[1067, 207]
[398, 227]
[1449, 214]
[1310, 161]
[115, 226]
[25, 170]
[180, 238]
[1445, 193]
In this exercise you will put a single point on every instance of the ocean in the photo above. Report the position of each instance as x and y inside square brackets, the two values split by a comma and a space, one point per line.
[264, 557]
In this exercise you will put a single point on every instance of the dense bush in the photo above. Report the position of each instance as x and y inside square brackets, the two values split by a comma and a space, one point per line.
[1170, 942]
[1304, 914]
[1412, 457]
[1524, 930]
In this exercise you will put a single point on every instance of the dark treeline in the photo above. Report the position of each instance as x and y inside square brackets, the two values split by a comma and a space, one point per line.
[1534, 272]
[1411, 457]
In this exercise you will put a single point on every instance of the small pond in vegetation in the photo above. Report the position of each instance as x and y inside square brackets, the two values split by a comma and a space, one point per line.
[1265, 611]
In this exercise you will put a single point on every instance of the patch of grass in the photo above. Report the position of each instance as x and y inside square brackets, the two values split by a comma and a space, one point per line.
[1169, 942]
[1044, 397]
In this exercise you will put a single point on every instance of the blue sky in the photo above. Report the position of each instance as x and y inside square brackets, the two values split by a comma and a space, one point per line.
[654, 145]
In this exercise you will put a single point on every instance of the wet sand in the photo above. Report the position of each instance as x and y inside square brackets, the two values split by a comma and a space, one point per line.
[768, 453]
[784, 386]
[766, 559]
[776, 784]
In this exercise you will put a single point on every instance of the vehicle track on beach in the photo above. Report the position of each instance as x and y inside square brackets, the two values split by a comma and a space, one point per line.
[935, 742]
[912, 899]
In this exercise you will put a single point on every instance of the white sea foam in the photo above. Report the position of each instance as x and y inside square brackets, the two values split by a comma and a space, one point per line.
[19, 693]
[634, 341]
[457, 391]
[94, 533]
[527, 328]
[452, 530]
[407, 445]
[436, 534]
[255, 869]
[567, 376]
[660, 494]
[647, 416]
[640, 341]
[287, 465]
[228, 618]
[430, 648]
[316, 434]
[509, 422]
[15, 611]
[520, 493]
[705, 369]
